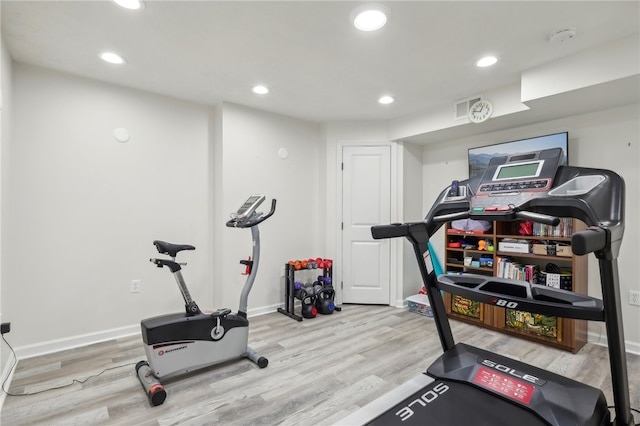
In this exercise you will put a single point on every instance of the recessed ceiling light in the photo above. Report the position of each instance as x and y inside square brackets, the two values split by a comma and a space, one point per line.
[487, 61]
[370, 17]
[130, 4]
[386, 99]
[112, 58]
[260, 90]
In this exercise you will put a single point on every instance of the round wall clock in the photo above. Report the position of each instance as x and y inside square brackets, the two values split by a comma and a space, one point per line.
[480, 111]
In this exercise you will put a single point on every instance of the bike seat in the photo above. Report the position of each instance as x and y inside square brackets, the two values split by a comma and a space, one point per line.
[171, 249]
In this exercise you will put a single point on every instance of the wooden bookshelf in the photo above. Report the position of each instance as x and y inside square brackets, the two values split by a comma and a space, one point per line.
[563, 333]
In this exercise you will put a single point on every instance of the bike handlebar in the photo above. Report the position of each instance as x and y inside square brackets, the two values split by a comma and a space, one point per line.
[252, 220]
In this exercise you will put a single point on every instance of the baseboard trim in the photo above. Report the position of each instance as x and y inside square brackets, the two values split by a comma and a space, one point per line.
[601, 339]
[263, 310]
[52, 346]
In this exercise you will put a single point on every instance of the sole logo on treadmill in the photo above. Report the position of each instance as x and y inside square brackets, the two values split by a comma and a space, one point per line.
[513, 372]
[428, 397]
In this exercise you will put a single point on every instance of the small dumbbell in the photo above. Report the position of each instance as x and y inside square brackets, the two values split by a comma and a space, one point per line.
[317, 287]
[324, 280]
[299, 292]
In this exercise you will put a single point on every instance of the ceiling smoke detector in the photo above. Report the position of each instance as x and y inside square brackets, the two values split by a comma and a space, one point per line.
[562, 35]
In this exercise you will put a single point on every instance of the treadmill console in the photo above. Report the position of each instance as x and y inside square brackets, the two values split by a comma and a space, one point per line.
[510, 181]
[248, 207]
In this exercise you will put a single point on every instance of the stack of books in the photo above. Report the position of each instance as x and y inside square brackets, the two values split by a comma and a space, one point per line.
[510, 268]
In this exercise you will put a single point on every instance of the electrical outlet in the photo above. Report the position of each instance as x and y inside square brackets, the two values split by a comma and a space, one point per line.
[135, 286]
[634, 298]
[5, 327]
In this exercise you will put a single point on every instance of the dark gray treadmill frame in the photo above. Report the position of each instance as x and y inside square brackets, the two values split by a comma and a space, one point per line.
[601, 208]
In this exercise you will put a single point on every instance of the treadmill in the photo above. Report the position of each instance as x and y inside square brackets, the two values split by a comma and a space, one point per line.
[468, 385]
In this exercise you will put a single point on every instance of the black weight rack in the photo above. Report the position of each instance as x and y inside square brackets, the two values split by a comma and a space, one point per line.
[289, 281]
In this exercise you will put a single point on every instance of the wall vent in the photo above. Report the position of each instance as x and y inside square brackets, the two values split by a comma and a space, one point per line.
[461, 108]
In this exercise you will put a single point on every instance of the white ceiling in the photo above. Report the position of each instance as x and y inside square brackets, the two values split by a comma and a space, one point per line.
[317, 65]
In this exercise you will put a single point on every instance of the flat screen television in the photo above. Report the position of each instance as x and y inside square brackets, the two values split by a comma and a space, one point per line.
[479, 158]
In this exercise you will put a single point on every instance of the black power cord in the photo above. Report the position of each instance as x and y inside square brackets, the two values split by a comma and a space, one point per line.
[73, 382]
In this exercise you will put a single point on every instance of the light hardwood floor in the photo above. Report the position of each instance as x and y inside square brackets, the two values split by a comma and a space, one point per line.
[319, 371]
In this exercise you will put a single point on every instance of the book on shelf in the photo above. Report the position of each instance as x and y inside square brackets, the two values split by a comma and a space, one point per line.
[509, 268]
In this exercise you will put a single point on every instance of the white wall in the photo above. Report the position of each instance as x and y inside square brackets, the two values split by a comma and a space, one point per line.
[412, 211]
[5, 135]
[250, 164]
[84, 209]
[607, 139]
[90, 207]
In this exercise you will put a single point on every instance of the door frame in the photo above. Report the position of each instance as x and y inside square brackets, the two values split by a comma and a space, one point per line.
[396, 194]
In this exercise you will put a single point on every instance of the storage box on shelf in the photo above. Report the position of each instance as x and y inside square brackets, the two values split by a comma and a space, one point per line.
[545, 257]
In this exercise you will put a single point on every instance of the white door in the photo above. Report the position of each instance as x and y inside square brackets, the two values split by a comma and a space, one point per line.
[366, 201]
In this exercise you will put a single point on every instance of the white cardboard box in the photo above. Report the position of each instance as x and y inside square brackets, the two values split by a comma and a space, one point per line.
[513, 247]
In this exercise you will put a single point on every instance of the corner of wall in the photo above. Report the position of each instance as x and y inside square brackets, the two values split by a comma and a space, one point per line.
[6, 77]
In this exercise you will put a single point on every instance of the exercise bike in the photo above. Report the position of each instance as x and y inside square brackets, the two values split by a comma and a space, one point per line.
[469, 385]
[179, 343]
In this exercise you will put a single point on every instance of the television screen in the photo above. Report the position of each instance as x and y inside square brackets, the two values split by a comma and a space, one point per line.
[479, 157]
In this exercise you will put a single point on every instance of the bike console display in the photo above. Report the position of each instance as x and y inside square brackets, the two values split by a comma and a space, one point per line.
[509, 181]
[248, 207]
